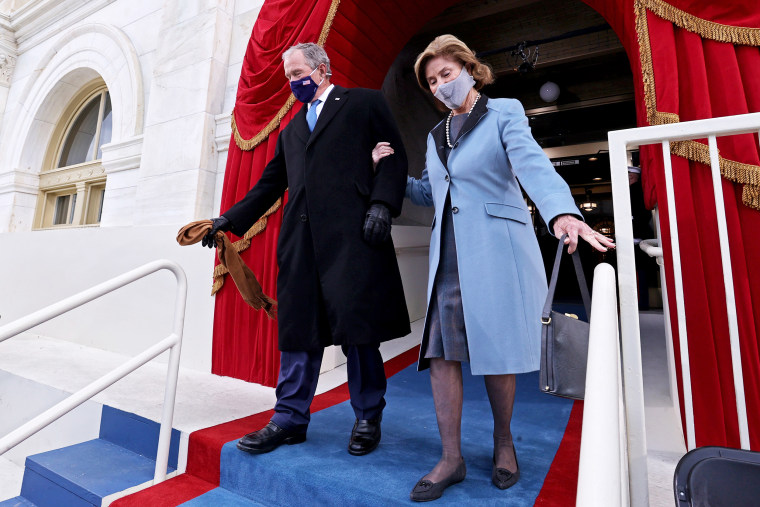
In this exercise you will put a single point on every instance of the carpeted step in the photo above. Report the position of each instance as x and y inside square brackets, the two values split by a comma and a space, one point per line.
[221, 496]
[321, 472]
[83, 474]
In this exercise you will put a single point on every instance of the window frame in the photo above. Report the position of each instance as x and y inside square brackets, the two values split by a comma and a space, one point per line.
[79, 179]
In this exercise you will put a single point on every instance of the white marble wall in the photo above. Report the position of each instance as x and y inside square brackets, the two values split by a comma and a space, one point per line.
[172, 68]
[178, 168]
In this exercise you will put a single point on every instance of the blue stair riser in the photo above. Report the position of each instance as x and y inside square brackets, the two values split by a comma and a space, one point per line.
[41, 491]
[136, 433]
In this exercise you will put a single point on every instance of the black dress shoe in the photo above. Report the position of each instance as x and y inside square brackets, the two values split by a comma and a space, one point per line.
[503, 478]
[426, 490]
[269, 438]
[364, 437]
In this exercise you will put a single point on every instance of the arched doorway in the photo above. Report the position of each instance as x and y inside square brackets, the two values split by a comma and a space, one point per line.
[569, 47]
[364, 39]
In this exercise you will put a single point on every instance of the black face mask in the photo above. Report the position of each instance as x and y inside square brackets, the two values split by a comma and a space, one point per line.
[305, 89]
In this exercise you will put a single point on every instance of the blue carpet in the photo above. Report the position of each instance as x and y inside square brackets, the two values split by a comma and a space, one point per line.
[321, 472]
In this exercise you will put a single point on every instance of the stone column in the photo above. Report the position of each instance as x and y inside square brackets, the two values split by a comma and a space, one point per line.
[178, 167]
[16, 190]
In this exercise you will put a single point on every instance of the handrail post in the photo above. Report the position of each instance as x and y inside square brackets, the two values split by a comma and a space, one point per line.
[633, 384]
[599, 471]
[172, 373]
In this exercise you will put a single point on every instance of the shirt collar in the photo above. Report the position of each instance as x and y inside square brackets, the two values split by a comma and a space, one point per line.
[324, 95]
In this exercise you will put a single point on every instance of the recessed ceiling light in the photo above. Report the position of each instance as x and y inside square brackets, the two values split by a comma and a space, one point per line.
[597, 179]
[592, 159]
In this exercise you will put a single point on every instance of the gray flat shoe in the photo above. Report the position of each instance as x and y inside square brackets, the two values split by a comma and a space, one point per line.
[425, 490]
[503, 478]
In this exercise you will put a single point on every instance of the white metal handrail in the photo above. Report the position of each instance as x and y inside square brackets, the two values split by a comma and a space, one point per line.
[602, 471]
[619, 142]
[173, 343]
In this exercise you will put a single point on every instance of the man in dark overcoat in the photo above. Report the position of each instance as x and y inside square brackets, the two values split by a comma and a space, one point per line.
[338, 281]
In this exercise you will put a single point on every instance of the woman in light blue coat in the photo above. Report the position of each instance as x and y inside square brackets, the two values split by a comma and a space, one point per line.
[487, 283]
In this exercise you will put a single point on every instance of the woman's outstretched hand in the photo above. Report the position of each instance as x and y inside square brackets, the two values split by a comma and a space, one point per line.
[381, 150]
[574, 228]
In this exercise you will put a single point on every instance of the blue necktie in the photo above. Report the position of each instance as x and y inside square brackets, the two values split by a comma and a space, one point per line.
[311, 115]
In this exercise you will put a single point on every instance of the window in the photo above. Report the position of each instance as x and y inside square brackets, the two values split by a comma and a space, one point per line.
[72, 183]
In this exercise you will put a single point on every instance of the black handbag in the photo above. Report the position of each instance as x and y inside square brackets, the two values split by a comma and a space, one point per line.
[564, 339]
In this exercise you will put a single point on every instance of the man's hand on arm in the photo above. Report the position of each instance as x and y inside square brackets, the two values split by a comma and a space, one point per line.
[217, 224]
[377, 224]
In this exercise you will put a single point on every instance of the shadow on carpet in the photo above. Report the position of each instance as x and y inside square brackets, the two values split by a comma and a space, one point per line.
[321, 472]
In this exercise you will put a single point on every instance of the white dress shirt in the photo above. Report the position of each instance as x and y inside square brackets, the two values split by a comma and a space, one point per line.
[322, 98]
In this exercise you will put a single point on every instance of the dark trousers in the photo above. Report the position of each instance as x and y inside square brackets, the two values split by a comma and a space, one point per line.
[299, 373]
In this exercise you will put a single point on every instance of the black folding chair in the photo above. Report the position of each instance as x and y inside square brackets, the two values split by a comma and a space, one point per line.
[718, 477]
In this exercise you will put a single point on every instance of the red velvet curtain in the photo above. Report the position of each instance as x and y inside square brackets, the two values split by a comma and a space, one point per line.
[362, 40]
[696, 73]
[705, 78]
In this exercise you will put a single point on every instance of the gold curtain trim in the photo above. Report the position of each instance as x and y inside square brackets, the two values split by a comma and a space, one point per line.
[242, 244]
[707, 29]
[738, 172]
[249, 144]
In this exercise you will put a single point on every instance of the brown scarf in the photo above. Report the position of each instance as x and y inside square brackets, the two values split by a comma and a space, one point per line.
[245, 280]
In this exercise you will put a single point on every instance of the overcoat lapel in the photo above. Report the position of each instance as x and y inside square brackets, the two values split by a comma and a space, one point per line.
[478, 112]
[334, 102]
[300, 125]
[439, 132]
[439, 136]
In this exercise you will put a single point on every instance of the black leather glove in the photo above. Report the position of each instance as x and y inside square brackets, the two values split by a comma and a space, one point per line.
[217, 224]
[377, 225]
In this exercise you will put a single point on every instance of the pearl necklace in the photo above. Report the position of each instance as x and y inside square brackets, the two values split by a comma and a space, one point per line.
[448, 121]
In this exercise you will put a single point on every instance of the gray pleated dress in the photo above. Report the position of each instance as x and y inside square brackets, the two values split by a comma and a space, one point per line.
[446, 335]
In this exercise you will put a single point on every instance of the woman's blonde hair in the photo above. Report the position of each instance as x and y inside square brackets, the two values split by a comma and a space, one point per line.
[450, 46]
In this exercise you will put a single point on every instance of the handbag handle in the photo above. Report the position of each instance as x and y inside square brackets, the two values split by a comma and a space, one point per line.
[545, 319]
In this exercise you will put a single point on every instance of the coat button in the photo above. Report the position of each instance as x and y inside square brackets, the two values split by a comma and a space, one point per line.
[304, 218]
[446, 177]
[455, 210]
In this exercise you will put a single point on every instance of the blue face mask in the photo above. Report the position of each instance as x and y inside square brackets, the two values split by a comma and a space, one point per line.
[305, 89]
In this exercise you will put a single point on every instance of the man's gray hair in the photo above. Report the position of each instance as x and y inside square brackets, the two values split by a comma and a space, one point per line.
[312, 53]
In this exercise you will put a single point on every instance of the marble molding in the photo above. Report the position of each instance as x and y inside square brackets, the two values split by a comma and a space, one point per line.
[18, 199]
[71, 175]
[7, 66]
[40, 20]
[223, 131]
[19, 182]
